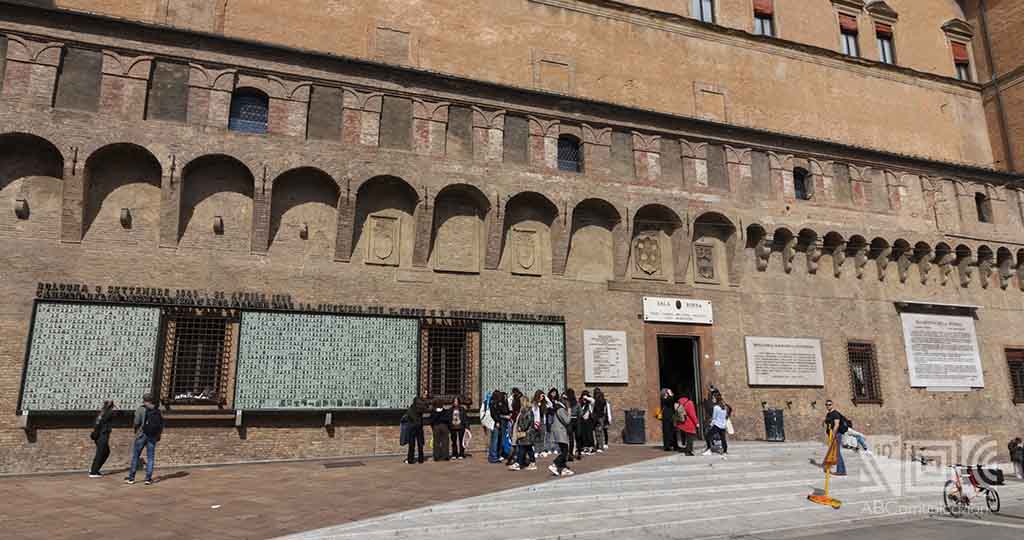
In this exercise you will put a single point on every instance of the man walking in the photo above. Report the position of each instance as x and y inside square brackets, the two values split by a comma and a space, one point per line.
[149, 425]
[836, 425]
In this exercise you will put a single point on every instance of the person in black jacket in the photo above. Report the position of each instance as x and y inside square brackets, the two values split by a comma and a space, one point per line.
[413, 420]
[513, 416]
[502, 415]
[439, 423]
[101, 436]
[458, 424]
[668, 424]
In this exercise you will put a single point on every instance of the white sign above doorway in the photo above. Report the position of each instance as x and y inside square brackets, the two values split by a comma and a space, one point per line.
[677, 310]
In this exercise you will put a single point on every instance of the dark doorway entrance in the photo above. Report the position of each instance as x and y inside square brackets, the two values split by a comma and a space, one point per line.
[679, 369]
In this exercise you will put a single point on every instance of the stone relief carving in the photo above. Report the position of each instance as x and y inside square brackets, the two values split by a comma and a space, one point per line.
[788, 254]
[813, 256]
[704, 257]
[946, 266]
[383, 247]
[524, 251]
[985, 272]
[1005, 273]
[838, 258]
[647, 253]
[882, 262]
[966, 271]
[903, 263]
[923, 267]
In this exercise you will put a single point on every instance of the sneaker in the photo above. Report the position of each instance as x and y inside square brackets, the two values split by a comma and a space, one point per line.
[867, 452]
[600, 450]
[553, 469]
[149, 482]
[706, 452]
[567, 472]
[532, 467]
[514, 467]
[606, 447]
[129, 480]
[408, 462]
[724, 457]
[91, 475]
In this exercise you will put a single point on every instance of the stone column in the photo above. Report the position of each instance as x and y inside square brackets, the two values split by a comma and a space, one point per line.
[560, 235]
[543, 143]
[621, 238]
[361, 118]
[597, 149]
[739, 171]
[124, 85]
[171, 186]
[73, 196]
[261, 200]
[346, 211]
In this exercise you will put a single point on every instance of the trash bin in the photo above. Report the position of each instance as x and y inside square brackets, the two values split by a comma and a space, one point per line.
[635, 430]
[774, 427]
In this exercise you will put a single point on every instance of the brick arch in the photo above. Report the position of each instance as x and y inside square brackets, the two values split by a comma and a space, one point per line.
[303, 211]
[31, 177]
[25, 154]
[122, 177]
[391, 203]
[458, 232]
[212, 186]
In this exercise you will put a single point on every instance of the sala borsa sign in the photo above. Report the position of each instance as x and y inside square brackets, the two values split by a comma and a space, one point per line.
[677, 310]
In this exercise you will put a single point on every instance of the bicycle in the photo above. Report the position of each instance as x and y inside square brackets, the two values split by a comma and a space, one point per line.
[957, 500]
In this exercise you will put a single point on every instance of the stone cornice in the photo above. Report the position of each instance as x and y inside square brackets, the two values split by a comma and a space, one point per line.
[335, 70]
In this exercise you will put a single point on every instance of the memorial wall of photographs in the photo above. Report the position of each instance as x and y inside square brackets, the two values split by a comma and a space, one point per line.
[83, 354]
[309, 361]
[524, 356]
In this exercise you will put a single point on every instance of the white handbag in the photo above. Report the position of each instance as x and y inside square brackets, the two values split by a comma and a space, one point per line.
[728, 427]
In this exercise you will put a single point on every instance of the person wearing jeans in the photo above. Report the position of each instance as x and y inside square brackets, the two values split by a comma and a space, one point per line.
[833, 420]
[148, 427]
[560, 436]
[859, 437]
[719, 416]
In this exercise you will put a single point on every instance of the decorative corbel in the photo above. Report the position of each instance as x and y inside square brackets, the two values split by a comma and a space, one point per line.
[838, 258]
[813, 256]
[882, 262]
[946, 267]
[860, 261]
[1005, 273]
[903, 263]
[762, 253]
[788, 254]
[985, 272]
[965, 270]
[924, 266]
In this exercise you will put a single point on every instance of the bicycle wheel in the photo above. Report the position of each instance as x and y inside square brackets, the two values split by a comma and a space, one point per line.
[992, 500]
[951, 499]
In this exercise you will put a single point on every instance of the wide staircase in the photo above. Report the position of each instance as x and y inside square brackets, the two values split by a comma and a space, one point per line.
[761, 489]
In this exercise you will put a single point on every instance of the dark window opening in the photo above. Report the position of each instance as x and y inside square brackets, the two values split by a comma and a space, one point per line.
[962, 59]
[983, 205]
[249, 111]
[197, 358]
[886, 46]
[448, 355]
[850, 47]
[863, 372]
[704, 10]
[570, 154]
[764, 25]
[1015, 360]
[963, 71]
[801, 184]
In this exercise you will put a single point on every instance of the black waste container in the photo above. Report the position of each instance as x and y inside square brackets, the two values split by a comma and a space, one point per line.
[634, 432]
[774, 427]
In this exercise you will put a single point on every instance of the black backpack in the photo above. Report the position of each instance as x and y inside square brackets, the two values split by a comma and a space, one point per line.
[153, 423]
[844, 424]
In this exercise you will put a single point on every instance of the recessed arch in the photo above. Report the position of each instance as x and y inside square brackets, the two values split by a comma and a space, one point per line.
[592, 240]
[657, 235]
[122, 194]
[216, 204]
[384, 229]
[942, 252]
[529, 217]
[714, 244]
[755, 233]
[458, 235]
[303, 212]
[31, 172]
[24, 155]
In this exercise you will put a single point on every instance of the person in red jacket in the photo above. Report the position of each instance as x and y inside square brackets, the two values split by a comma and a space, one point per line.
[687, 428]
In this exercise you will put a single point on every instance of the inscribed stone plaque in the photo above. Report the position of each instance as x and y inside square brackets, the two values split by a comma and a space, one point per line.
[83, 354]
[605, 356]
[525, 356]
[383, 247]
[309, 361]
[524, 252]
[942, 351]
[784, 361]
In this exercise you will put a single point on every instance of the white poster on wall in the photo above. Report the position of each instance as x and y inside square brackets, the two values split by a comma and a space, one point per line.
[605, 359]
[942, 351]
[677, 310]
[777, 361]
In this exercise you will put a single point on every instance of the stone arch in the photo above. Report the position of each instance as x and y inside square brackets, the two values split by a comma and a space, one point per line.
[715, 241]
[527, 234]
[880, 251]
[784, 242]
[458, 234]
[384, 230]
[657, 247]
[304, 212]
[216, 204]
[122, 195]
[834, 247]
[31, 173]
[807, 241]
[592, 241]
[922, 257]
[964, 264]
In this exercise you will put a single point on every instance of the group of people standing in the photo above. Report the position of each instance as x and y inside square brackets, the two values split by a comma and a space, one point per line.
[449, 429]
[679, 422]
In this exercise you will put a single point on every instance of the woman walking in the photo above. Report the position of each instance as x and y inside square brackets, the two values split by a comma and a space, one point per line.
[439, 423]
[560, 436]
[458, 421]
[516, 405]
[668, 423]
[101, 436]
[413, 423]
[719, 418]
[550, 446]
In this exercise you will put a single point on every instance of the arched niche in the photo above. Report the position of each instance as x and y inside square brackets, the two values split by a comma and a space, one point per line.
[833, 247]
[880, 252]
[1004, 262]
[529, 217]
[303, 213]
[384, 229]
[592, 241]
[808, 244]
[784, 242]
[759, 243]
[713, 249]
[216, 204]
[122, 195]
[31, 169]
[986, 263]
[657, 239]
[458, 235]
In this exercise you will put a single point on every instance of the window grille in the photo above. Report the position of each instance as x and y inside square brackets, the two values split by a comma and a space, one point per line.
[801, 184]
[448, 349]
[863, 372]
[249, 111]
[1015, 360]
[570, 154]
[197, 357]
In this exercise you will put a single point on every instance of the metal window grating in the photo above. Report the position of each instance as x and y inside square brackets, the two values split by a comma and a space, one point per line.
[570, 155]
[447, 352]
[1015, 361]
[249, 112]
[197, 356]
[863, 372]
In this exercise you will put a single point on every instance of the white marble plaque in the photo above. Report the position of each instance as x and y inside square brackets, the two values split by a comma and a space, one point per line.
[777, 361]
[942, 351]
[605, 357]
[677, 310]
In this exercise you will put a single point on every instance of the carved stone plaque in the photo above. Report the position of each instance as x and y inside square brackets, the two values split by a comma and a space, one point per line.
[384, 246]
[647, 253]
[525, 252]
[704, 262]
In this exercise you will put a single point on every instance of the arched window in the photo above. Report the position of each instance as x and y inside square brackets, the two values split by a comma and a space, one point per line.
[249, 109]
[570, 154]
[802, 184]
[984, 207]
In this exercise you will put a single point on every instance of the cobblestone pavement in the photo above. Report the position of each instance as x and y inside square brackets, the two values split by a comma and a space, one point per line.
[253, 501]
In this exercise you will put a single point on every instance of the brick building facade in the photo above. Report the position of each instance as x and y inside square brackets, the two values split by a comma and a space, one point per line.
[469, 181]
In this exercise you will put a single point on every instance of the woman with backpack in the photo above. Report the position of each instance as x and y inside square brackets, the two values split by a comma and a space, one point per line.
[719, 419]
[573, 407]
[149, 425]
[685, 416]
[101, 436]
